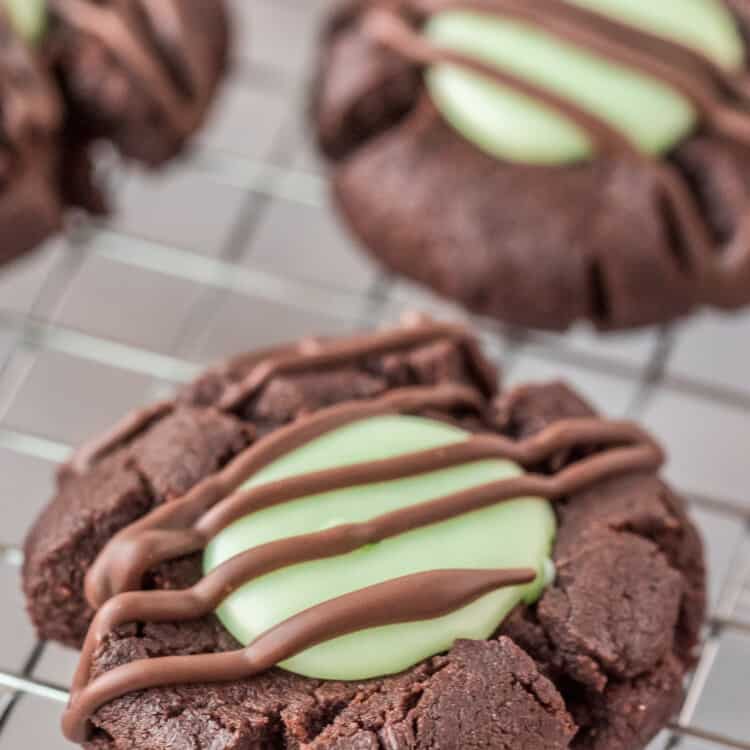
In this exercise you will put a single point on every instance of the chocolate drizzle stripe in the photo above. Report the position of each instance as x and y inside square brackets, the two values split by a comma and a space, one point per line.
[703, 258]
[121, 564]
[166, 18]
[340, 540]
[535, 450]
[423, 596]
[160, 28]
[169, 19]
[353, 349]
[122, 432]
[180, 531]
[119, 36]
[307, 354]
[723, 278]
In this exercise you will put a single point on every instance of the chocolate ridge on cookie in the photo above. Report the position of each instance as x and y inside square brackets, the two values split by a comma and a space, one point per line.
[546, 428]
[555, 229]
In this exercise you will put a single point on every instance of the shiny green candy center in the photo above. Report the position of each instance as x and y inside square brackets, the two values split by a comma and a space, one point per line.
[650, 113]
[515, 534]
[29, 17]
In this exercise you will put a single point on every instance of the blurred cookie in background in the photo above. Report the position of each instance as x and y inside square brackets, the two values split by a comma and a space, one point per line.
[140, 75]
[546, 161]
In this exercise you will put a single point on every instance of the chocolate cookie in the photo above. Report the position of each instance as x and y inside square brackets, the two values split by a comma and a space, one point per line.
[430, 559]
[30, 127]
[549, 161]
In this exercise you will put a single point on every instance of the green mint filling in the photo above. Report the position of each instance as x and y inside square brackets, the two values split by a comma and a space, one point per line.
[518, 533]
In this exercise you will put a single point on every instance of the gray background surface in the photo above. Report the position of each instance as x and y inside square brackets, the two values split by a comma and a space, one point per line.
[236, 247]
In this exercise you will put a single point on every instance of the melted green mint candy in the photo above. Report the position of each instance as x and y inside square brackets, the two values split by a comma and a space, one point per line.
[29, 17]
[512, 126]
[519, 533]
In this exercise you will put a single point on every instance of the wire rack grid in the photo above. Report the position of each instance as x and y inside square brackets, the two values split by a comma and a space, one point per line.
[237, 248]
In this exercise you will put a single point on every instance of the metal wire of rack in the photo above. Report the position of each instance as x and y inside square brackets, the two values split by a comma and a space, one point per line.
[277, 195]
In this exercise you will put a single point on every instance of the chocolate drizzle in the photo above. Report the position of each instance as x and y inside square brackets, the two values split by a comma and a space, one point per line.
[187, 524]
[720, 97]
[168, 532]
[123, 431]
[422, 596]
[116, 26]
[390, 341]
[309, 354]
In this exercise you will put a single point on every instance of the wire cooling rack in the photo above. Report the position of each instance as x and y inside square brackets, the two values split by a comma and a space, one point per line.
[237, 248]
